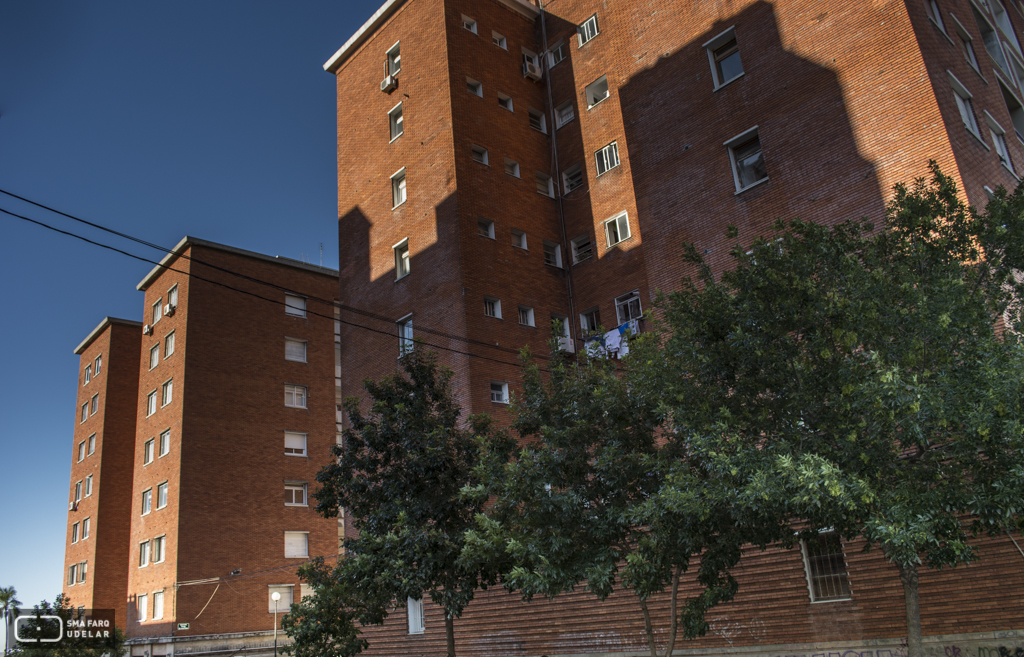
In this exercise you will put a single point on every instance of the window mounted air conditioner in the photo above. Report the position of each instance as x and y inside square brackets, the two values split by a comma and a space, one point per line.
[169, 310]
[147, 330]
[567, 345]
[389, 84]
[531, 70]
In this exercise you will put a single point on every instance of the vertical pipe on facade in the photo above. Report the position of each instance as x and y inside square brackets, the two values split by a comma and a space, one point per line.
[557, 184]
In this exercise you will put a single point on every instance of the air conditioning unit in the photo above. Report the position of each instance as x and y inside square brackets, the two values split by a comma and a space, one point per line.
[567, 344]
[147, 330]
[169, 310]
[531, 70]
[389, 84]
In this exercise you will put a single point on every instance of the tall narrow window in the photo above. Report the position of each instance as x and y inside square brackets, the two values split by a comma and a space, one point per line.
[564, 113]
[158, 310]
[141, 604]
[724, 57]
[86, 527]
[81, 451]
[537, 120]
[85, 411]
[78, 491]
[147, 452]
[74, 533]
[172, 296]
[88, 373]
[295, 306]
[414, 607]
[395, 120]
[158, 549]
[999, 140]
[825, 566]
[154, 355]
[616, 229]
[158, 605]
[169, 344]
[748, 167]
[966, 107]
[147, 501]
[552, 254]
[572, 178]
[161, 495]
[92, 444]
[582, 248]
[607, 158]
[588, 30]
[402, 263]
[167, 393]
[95, 404]
[99, 363]
[88, 486]
[398, 188]
[394, 59]
[165, 442]
[545, 185]
[405, 339]
[295, 396]
[590, 320]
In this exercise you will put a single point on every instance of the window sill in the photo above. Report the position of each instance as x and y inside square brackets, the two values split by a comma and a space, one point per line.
[543, 132]
[512, 175]
[759, 182]
[395, 208]
[609, 170]
[296, 557]
[565, 124]
[978, 137]
[1010, 171]
[942, 31]
[301, 456]
[726, 84]
[825, 602]
[395, 137]
[402, 277]
[590, 107]
[299, 505]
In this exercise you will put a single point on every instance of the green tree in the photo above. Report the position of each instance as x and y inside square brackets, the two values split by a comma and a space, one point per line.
[399, 473]
[8, 603]
[860, 379]
[69, 646]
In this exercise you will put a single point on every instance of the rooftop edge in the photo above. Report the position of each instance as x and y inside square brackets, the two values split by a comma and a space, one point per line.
[107, 321]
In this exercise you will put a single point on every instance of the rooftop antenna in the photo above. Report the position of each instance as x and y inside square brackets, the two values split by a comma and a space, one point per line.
[321, 254]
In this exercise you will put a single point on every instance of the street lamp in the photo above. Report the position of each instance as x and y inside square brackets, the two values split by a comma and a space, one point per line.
[275, 596]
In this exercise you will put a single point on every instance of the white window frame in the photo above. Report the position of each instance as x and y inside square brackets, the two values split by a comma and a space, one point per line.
[521, 235]
[542, 179]
[72, 574]
[154, 356]
[573, 178]
[485, 228]
[305, 539]
[590, 320]
[296, 344]
[85, 412]
[582, 248]
[399, 189]
[91, 440]
[714, 44]
[294, 305]
[148, 449]
[172, 296]
[98, 364]
[505, 102]
[88, 374]
[295, 391]
[469, 24]
[141, 606]
[151, 403]
[999, 141]
[624, 301]
[158, 310]
[617, 226]
[499, 40]
[78, 491]
[564, 324]
[743, 139]
[587, 31]
[166, 392]
[393, 58]
[414, 611]
[165, 443]
[966, 106]
[94, 404]
[159, 548]
[161, 495]
[405, 335]
[556, 253]
[590, 92]
[526, 313]
[539, 118]
[396, 122]
[305, 443]
[403, 259]
[492, 307]
[74, 533]
[480, 154]
[297, 486]
[168, 345]
[511, 167]
[809, 575]
[86, 527]
[158, 605]
[285, 603]
[557, 53]
[499, 387]
[609, 155]
[474, 87]
[147, 502]
[88, 485]
[565, 114]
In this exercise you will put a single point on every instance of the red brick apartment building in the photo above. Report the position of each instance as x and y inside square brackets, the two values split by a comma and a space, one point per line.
[198, 436]
[500, 165]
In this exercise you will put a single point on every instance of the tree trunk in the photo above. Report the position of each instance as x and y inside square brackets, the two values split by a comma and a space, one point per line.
[449, 631]
[648, 627]
[908, 575]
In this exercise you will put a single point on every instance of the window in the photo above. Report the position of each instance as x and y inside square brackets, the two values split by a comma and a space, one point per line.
[154, 355]
[295, 306]
[81, 571]
[95, 404]
[85, 411]
[147, 501]
[627, 307]
[143, 554]
[284, 603]
[295, 350]
[505, 102]
[597, 91]
[519, 239]
[564, 113]
[72, 574]
[590, 320]
[991, 40]
[295, 494]
[158, 549]
[85, 528]
[825, 567]
[526, 315]
[140, 603]
[78, 491]
[530, 57]
[557, 53]
[474, 87]
[296, 544]
[963, 102]
[402, 263]
[169, 344]
[88, 486]
[545, 185]
[165, 443]
[158, 605]
[158, 310]
[74, 533]
[398, 194]
[415, 609]
[966, 44]
[999, 139]
[1003, 21]
[88, 373]
[572, 178]
[499, 392]
[295, 396]
[1016, 110]
[552, 254]
[588, 30]
[935, 13]
[537, 121]
[394, 59]
[294, 443]
[561, 326]
[81, 451]
[172, 296]
[511, 167]
[582, 248]
[724, 57]
[167, 393]
[99, 364]
[492, 307]
[305, 591]
[616, 229]
[499, 40]
[479, 154]
[607, 158]
[468, 23]
[395, 121]
[147, 452]
[92, 444]
[485, 228]
[405, 339]
[161, 495]
[748, 168]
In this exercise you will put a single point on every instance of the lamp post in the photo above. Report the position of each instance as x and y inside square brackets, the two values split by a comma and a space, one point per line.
[275, 596]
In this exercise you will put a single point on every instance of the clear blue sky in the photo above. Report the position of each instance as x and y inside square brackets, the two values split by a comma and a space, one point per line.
[212, 119]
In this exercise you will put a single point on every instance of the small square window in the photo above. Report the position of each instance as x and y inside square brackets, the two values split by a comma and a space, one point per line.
[597, 91]
[405, 336]
[492, 307]
[552, 254]
[564, 113]
[402, 263]
[147, 452]
[479, 154]
[169, 345]
[94, 404]
[294, 443]
[582, 248]
[468, 23]
[151, 403]
[499, 392]
[167, 393]
[92, 444]
[825, 567]
[143, 555]
[616, 229]
[526, 315]
[511, 167]
[545, 185]
[474, 87]
[398, 189]
[588, 30]
[295, 396]
[154, 355]
[590, 320]
[294, 306]
[296, 544]
[485, 228]
[414, 608]
[295, 494]
[147, 501]
[161, 495]
[165, 443]
[607, 158]
[505, 102]
[295, 350]
[499, 40]
[748, 166]
[538, 121]
[557, 53]
[394, 59]
[81, 451]
[284, 601]
[395, 121]
[724, 57]
[518, 239]
[627, 307]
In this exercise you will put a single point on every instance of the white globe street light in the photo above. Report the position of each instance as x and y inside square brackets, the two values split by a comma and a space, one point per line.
[275, 596]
